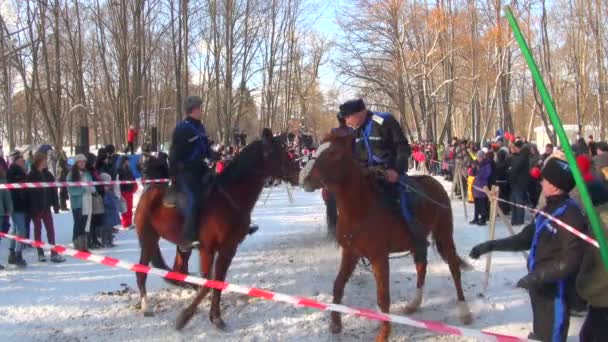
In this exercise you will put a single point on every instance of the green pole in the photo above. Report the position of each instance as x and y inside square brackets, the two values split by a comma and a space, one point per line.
[563, 138]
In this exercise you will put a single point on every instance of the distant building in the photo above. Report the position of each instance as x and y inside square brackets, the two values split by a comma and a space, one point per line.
[541, 137]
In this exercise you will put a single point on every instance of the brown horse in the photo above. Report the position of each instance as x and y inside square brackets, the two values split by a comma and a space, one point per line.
[224, 220]
[367, 228]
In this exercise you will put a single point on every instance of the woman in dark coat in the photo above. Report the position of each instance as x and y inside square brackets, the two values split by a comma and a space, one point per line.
[40, 202]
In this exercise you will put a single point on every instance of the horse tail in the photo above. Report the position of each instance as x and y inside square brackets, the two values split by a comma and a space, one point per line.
[447, 250]
[443, 234]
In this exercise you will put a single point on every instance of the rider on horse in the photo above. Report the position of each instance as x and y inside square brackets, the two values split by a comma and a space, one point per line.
[380, 143]
[189, 149]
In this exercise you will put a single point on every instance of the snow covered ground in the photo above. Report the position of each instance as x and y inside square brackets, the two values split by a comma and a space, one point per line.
[78, 301]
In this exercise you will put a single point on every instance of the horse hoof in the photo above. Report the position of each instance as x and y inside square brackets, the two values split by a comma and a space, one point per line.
[465, 314]
[183, 318]
[466, 319]
[410, 309]
[335, 328]
[381, 338]
[219, 323]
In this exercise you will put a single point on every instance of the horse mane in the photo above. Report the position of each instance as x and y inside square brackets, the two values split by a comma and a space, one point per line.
[244, 162]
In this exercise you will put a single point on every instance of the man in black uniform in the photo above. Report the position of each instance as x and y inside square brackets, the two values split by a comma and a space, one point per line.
[555, 254]
[380, 143]
[189, 149]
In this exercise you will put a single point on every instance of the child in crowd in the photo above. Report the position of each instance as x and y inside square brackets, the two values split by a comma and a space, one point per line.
[111, 216]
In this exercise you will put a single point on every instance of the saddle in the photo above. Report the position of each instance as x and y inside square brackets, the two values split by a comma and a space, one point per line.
[175, 198]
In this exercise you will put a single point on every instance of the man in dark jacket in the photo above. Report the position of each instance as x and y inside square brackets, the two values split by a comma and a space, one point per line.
[16, 174]
[189, 149]
[519, 178]
[555, 254]
[380, 143]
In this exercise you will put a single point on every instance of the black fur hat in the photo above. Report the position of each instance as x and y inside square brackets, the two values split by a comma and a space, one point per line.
[352, 106]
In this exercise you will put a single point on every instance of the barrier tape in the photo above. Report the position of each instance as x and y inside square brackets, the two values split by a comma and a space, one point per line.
[559, 222]
[37, 185]
[437, 327]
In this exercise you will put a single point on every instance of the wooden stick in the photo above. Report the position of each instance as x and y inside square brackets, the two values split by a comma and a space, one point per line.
[289, 195]
[267, 195]
[493, 206]
[463, 195]
[504, 218]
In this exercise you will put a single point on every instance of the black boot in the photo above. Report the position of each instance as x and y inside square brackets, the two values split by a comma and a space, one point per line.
[12, 259]
[253, 228]
[19, 262]
[41, 256]
[189, 236]
[56, 258]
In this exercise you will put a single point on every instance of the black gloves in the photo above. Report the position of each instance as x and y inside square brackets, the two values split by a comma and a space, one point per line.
[481, 249]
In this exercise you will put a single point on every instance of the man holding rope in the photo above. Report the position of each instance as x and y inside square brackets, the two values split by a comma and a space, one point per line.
[555, 254]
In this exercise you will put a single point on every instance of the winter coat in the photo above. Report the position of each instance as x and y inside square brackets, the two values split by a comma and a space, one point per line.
[440, 152]
[41, 199]
[558, 252]
[482, 178]
[131, 135]
[592, 279]
[124, 173]
[6, 203]
[600, 166]
[386, 141]
[3, 164]
[189, 148]
[76, 192]
[16, 174]
[111, 205]
[519, 168]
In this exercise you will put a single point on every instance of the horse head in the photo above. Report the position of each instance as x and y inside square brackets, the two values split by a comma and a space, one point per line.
[276, 159]
[330, 163]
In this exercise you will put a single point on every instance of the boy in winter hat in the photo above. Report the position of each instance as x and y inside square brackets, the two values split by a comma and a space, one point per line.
[555, 254]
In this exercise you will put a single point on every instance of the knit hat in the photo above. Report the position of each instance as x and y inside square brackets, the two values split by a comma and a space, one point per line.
[80, 157]
[351, 107]
[558, 173]
[104, 177]
[584, 164]
[14, 156]
[192, 102]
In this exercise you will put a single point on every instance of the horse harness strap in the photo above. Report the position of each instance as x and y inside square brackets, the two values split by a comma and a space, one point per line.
[372, 159]
[199, 139]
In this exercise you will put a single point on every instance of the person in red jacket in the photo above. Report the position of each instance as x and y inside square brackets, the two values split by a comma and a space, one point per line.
[131, 138]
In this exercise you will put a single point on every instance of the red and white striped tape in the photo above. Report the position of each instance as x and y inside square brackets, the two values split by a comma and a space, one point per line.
[36, 185]
[437, 327]
[559, 222]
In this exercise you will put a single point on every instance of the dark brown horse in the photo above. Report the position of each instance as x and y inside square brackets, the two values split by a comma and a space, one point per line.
[224, 220]
[367, 228]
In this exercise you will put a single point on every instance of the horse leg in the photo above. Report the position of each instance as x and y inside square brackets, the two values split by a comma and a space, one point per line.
[380, 267]
[149, 246]
[464, 313]
[186, 314]
[224, 259]
[181, 266]
[415, 303]
[181, 261]
[347, 266]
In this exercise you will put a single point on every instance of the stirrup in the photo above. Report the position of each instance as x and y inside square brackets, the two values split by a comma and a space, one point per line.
[187, 247]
